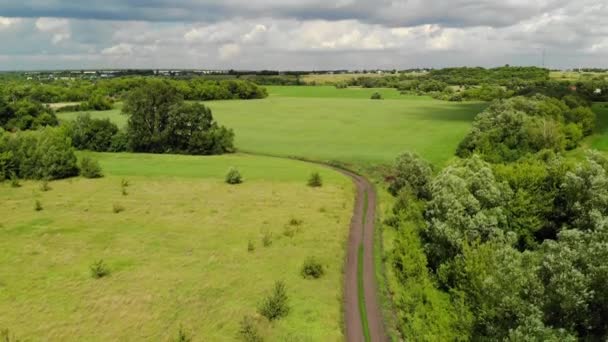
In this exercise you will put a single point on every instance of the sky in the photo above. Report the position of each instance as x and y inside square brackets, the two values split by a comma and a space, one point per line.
[301, 34]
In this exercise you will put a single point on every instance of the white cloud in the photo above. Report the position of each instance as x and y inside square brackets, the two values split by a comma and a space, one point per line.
[228, 51]
[121, 49]
[59, 29]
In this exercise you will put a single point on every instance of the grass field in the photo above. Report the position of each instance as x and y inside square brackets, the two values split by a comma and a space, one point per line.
[599, 140]
[178, 253]
[326, 123]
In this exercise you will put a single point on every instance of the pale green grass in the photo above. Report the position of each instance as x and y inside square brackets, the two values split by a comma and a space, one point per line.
[177, 254]
[326, 123]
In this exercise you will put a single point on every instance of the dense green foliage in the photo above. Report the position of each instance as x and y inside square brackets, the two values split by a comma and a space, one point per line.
[513, 128]
[161, 122]
[95, 94]
[42, 154]
[25, 114]
[510, 242]
[95, 134]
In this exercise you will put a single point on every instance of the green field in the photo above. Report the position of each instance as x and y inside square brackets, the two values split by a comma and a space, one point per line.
[599, 140]
[326, 123]
[178, 252]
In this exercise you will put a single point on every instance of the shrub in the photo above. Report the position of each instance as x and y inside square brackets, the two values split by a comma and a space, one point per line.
[376, 96]
[248, 330]
[275, 306]
[267, 239]
[250, 246]
[295, 222]
[93, 134]
[315, 180]
[44, 186]
[99, 269]
[45, 153]
[37, 206]
[233, 176]
[89, 168]
[411, 172]
[124, 184]
[117, 208]
[289, 231]
[312, 269]
[15, 181]
[182, 335]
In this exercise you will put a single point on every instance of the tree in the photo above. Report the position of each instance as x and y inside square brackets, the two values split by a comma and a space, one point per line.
[411, 172]
[148, 106]
[161, 122]
[467, 204]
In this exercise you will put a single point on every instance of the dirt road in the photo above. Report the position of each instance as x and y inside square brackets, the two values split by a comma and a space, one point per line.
[362, 236]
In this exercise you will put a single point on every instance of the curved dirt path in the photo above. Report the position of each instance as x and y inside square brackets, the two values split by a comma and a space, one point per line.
[362, 236]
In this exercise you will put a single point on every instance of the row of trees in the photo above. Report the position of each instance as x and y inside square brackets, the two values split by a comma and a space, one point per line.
[91, 91]
[510, 242]
[25, 114]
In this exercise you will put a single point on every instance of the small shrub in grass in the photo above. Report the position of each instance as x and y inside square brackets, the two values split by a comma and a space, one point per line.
[248, 330]
[99, 269]
[117, 208]
[275, 306]
[37, 206]
[376, 96]
[15, 181]
[89, 168]
[234, 176]
[315, 180]
[312, 269]
[44, 186]
[250, 246]
[295, 222]
[182, 335]
[267, 239]
[6, 336]
[289, 231]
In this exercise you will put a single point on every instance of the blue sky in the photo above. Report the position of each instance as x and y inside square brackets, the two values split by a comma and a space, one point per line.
[301, 34]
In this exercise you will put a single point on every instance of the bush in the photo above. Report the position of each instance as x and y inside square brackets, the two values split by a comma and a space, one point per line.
[233, 176]
[312, 269]
[183, 336]
[89, 168]
[46, 153]
[411, 172]
[117, 208]
[15, 181]
[250, 246]
[315, 180]
[376, 96]
[275, 306]
[248, 330]
[37, 206]
[267, 239]
[93, 134]
[99, 269]
[44, 186]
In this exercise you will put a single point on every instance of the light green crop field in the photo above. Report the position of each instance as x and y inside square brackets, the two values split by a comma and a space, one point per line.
[178, 253]
[325, 123]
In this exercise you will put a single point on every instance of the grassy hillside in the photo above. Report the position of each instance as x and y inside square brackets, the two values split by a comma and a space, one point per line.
[178, 253]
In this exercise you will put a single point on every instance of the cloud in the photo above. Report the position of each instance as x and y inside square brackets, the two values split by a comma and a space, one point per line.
[302, 34]
[228, 51]
[385, 12]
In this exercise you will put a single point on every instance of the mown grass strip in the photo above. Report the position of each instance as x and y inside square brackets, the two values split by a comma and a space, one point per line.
[361, 295]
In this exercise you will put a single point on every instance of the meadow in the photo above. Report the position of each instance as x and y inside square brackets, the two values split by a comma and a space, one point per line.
[178, 253]
[325, 123]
